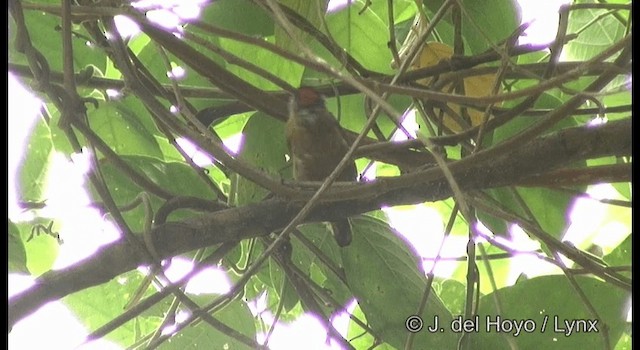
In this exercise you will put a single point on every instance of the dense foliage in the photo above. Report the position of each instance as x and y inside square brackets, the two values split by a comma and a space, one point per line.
[509, 137]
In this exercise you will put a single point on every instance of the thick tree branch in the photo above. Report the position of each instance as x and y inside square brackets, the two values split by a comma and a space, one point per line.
[540, 156]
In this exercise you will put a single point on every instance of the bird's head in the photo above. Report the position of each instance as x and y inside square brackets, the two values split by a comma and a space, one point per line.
[308, 97]
[307, 106]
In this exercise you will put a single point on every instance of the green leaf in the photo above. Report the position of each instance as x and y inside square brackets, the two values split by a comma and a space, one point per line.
[264, 148]
[625, 342]
[360, 338]
[35, 164]
[623, 188]
[169, 151]
[286, 295]
[496, 225]
[58, 137]
[258, 285]
[98, 305]
[41, 249]
[155, 64]
[282, 68]
[306, 260]
[551, 298]
[312, 11]
[174, 177]
[533, 57]
[17, 254]
[402, 10]
[321, 237]
[240, 16]
[549, 208]
[122, 129]
[364, 36]
[445, 208]
[233, 125]
[480, 27]
[595, 33]
[383, 274]
[452, 293]
[349, 110]
[138, 42]
[136, 108]
[46, 37]
[621, 255]
[235, 315]
[618, 99]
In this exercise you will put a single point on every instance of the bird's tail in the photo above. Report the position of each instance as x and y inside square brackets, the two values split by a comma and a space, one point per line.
[341, 232]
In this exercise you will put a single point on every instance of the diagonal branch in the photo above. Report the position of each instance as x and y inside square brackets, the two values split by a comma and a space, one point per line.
[540, 156]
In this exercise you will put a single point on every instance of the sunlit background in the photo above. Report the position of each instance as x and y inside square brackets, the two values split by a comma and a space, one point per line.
[84, 230]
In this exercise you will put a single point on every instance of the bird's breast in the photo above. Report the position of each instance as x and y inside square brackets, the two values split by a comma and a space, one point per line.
[315, 153]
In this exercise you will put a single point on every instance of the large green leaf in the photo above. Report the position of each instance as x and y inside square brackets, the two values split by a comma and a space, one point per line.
[41, 248]
[452, 293]
[281, 294]
[311, 10]
[98, 305]
[364, 36]
[275, 64]
[621, 255]
[201, 335]
[239, 16]
[122, 129]
[321, 237]
[445, 208]
[623, 188]
[46, 37]
[177, 178]
[402, 10]
[549, 208]
[307, 261]
[484, 22]
[278, 288]
[233, 125]
[542, 305]
[359, 338]
[595, 34]
[350, 111]
[264, 148]
[261, 281]
[58, 137]
[17, 259]
[155, 64]
[618, 99]
[384, 275]
[35, 164]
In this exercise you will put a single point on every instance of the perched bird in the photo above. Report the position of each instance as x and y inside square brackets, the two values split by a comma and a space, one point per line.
[316, 146]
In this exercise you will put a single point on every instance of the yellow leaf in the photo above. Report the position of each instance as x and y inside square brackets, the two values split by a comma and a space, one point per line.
[475, 86]
[432, 53]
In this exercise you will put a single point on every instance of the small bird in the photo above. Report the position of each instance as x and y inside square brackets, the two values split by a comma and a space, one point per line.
[316, 146]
